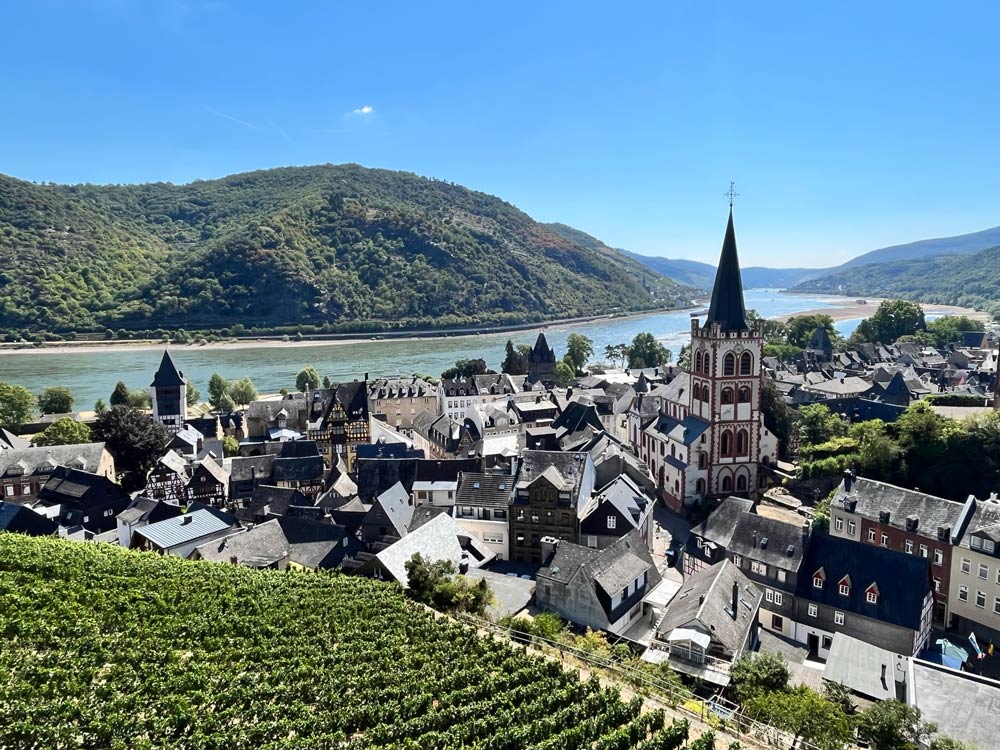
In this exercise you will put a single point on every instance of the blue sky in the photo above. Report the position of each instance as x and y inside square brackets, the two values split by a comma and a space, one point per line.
[847, 126]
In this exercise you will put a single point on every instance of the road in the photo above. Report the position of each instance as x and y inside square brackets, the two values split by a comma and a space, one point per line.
[670, 531]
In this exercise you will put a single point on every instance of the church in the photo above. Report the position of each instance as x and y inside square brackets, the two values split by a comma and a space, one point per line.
[703, 435]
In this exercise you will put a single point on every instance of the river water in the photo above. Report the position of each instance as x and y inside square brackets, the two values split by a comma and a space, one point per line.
[92, 375]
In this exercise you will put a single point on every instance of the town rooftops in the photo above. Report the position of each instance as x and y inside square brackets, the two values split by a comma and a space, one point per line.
[23, 520]
[185, 528]
[685, 431]
[718, 528]
[916, 512]
[768, 540]
[441, 538]
[479, 489]
[43, 459]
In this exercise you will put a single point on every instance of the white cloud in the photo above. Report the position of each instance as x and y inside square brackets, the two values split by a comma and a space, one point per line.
[365, 110]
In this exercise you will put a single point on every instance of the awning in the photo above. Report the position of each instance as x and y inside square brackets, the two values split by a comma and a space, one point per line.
[689, 634]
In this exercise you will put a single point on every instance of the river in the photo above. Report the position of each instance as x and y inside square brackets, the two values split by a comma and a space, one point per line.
[92, 375]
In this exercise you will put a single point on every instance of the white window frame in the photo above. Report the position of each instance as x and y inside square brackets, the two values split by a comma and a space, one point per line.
[781, 576]
[963, 593]
[778, 598]
[871, 535]
[981, 595]
[758, 568]
[845, 589]
[851, 526]
[612, 522]
[839, 524]
[908, 547]
[966, 565]
[984, 571]
[938, 557]
[737, 560]
[871, 597]
[923, 550]
[838, 618]
[813, 610]
[884, 540]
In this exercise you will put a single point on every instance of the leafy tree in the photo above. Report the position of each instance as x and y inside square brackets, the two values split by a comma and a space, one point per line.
[579, 349]
[134, 439]
[877, 451]
[307, 379]
[646, 351]
[327, 383]
[230, 446]
[806, 714]
[704, 742]
[892, 319]
[436, 584]
[891, 725]
[100, 406]
[466, 368]
[17, 406]
[65, 431]
[226, 404]
[193, 394]
[799, 329]
[759, 673]
[119, 396]
[55, 400]
[948, 329]
[515, 361]
[243, 391]
[564, 374]
[617, 354]
[139, 399]
[947, 743]
[817, 424]
[777, 414]
[218, 387]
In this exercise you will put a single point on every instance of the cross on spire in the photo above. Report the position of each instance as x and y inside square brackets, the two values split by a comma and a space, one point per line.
[731, 193]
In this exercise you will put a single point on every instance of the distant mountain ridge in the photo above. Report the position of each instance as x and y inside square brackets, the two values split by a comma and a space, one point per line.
[330, 247]
[702, 275]
[959, 244]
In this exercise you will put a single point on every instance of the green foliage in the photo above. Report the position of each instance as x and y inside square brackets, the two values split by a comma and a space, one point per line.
[100, 406]
[806, 714]
[119, 396]
[243, 391]
[140, 399]
[754, 674]
[167, 653]
[617, 354]
[230, 446]
[64, 431]
[193, 394]
[948, 328]
[218, 387]
[646, 351]
[307, 379]
[777, 414]
[892, 319]
[564, 373]
[363, 249]
[17, 406]
[515, 361]
[704, 742]
[891, 725]
[800, 329]
[437, 585]
[579, 349]
[55, 400]
[466, 368]
[226, 404]
[327, 383]
[817, 424]
[134, 439]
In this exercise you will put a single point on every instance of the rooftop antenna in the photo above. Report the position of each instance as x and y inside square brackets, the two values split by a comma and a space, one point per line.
[731, 193]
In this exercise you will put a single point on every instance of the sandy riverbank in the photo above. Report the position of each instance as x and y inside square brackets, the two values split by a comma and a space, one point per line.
[848, 308]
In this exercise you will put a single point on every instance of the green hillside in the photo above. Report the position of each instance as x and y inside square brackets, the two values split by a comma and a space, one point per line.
[970, 280]
[107, 648]
[336, 247]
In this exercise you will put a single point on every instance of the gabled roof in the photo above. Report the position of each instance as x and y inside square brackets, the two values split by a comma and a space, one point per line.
[42, 459]
[871, 499]
[149, 510]
[768, 540]
[23, 520]
[720, 524]
[904, 580]
[9, 440]
[484, 490]
[185, 528]
[541, 352]
[625, 496]
[727, 306]
[167, 375]
[396, 504]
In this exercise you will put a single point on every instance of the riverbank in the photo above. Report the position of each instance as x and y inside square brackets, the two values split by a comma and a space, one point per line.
[851, 308]
[257, 342]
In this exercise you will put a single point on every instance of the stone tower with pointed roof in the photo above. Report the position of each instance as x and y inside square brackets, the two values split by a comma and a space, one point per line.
[168, 393]
[726, 380]
[542, 362]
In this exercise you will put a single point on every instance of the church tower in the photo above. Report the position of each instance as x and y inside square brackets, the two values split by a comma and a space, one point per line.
[168, 392]
[726, 379]
[542, 362]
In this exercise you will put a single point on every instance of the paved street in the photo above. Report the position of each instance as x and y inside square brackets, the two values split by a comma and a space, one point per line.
[670, 531]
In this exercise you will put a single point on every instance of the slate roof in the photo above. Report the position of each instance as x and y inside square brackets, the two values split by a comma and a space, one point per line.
[445, 470]
[424, 513]
[872, 498]
[244, 469]
[720, 524]
[569, 465]
[79, 488]
[484, 490]
[707, 596]
[9, 440]
[218, 473]
[174, 462]
[304, 469]
[985, 517]
[541, 352]
[768, 540]
[396, 504]
[441, 538]
[376, 475]
[147, 509]
[625, 496]
[277, 500]
[727, 306]
[23, 520]
[42, 459]
[167, 374]
[897, 604]
[621, 563]
[188, 527]
[576, 416]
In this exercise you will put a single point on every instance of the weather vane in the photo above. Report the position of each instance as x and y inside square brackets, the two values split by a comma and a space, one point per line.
[732, 192]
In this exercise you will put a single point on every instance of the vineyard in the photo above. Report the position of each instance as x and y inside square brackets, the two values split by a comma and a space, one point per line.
[102, 648]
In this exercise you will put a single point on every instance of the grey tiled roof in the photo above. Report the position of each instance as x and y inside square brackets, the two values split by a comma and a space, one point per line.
[721, 523]
[185, 528]
[874, 498]
[479, 489]
[441, 538]
[768, 540]
[43, 459]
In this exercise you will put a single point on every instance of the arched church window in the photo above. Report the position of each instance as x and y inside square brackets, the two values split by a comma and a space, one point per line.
[727, 483]
[741, 483]
[697, 361]
[702, 460]
[744, 396]
[727, 395]
[708, 364]
[742, 443]
[699, 487]
[746, 363]
[726, 443]
[729, 364]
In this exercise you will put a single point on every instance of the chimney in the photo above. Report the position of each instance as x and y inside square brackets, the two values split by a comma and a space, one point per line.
[806, 529]
[233, 560]
[736, 599]
[900, 679]
[884, 516]
[185, 520]
[848, 480]
[753, 539]
[366, 377]
[463, 565]
[549, 544]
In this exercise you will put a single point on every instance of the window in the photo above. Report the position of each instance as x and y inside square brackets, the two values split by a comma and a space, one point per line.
[839, 524]
[758, 567]
[871, 535]
[976, 542]
[727, 395]
[851, 526]
[812, 610]
[984, 571]
[777, 622]
[781, 576]
[727, 483]
[987, 543]
[612, 522]
[923, 550]
[109, 512]
[697, 362]
[827, 642]
[838, 618]
[908, 547]
[871, 596]
[729, 364]
[727, 443]
[963, 593]
[845, 589]
[708, 363]
[746, 364]
[737, 560]
[741, 483]
[937, 584]
[778, 598]
[9, 489]
[817, 582]
[996, 606]
[939, 558]
[742, 443]
[885, 540]
[744, 395]
[966, 565]
[769, 595]
[981, 600]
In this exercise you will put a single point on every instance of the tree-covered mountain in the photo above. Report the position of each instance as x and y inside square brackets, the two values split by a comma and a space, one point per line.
[970, 280]
[702, 275]
[336, 247]
[960, 245]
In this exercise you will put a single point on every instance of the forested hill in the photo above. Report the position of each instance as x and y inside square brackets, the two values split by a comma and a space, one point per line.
[338, 247]
[970, 280]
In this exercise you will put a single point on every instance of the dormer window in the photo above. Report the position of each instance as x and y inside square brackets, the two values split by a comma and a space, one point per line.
[871, 594]
[844, 586]
[612, 522]
[976, 542]
[819, 578]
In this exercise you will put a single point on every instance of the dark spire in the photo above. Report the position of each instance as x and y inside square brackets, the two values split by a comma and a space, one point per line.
[727, 297]
[542, 352]
[168, 375]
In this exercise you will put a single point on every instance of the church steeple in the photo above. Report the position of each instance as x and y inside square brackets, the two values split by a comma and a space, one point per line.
[727, 306]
